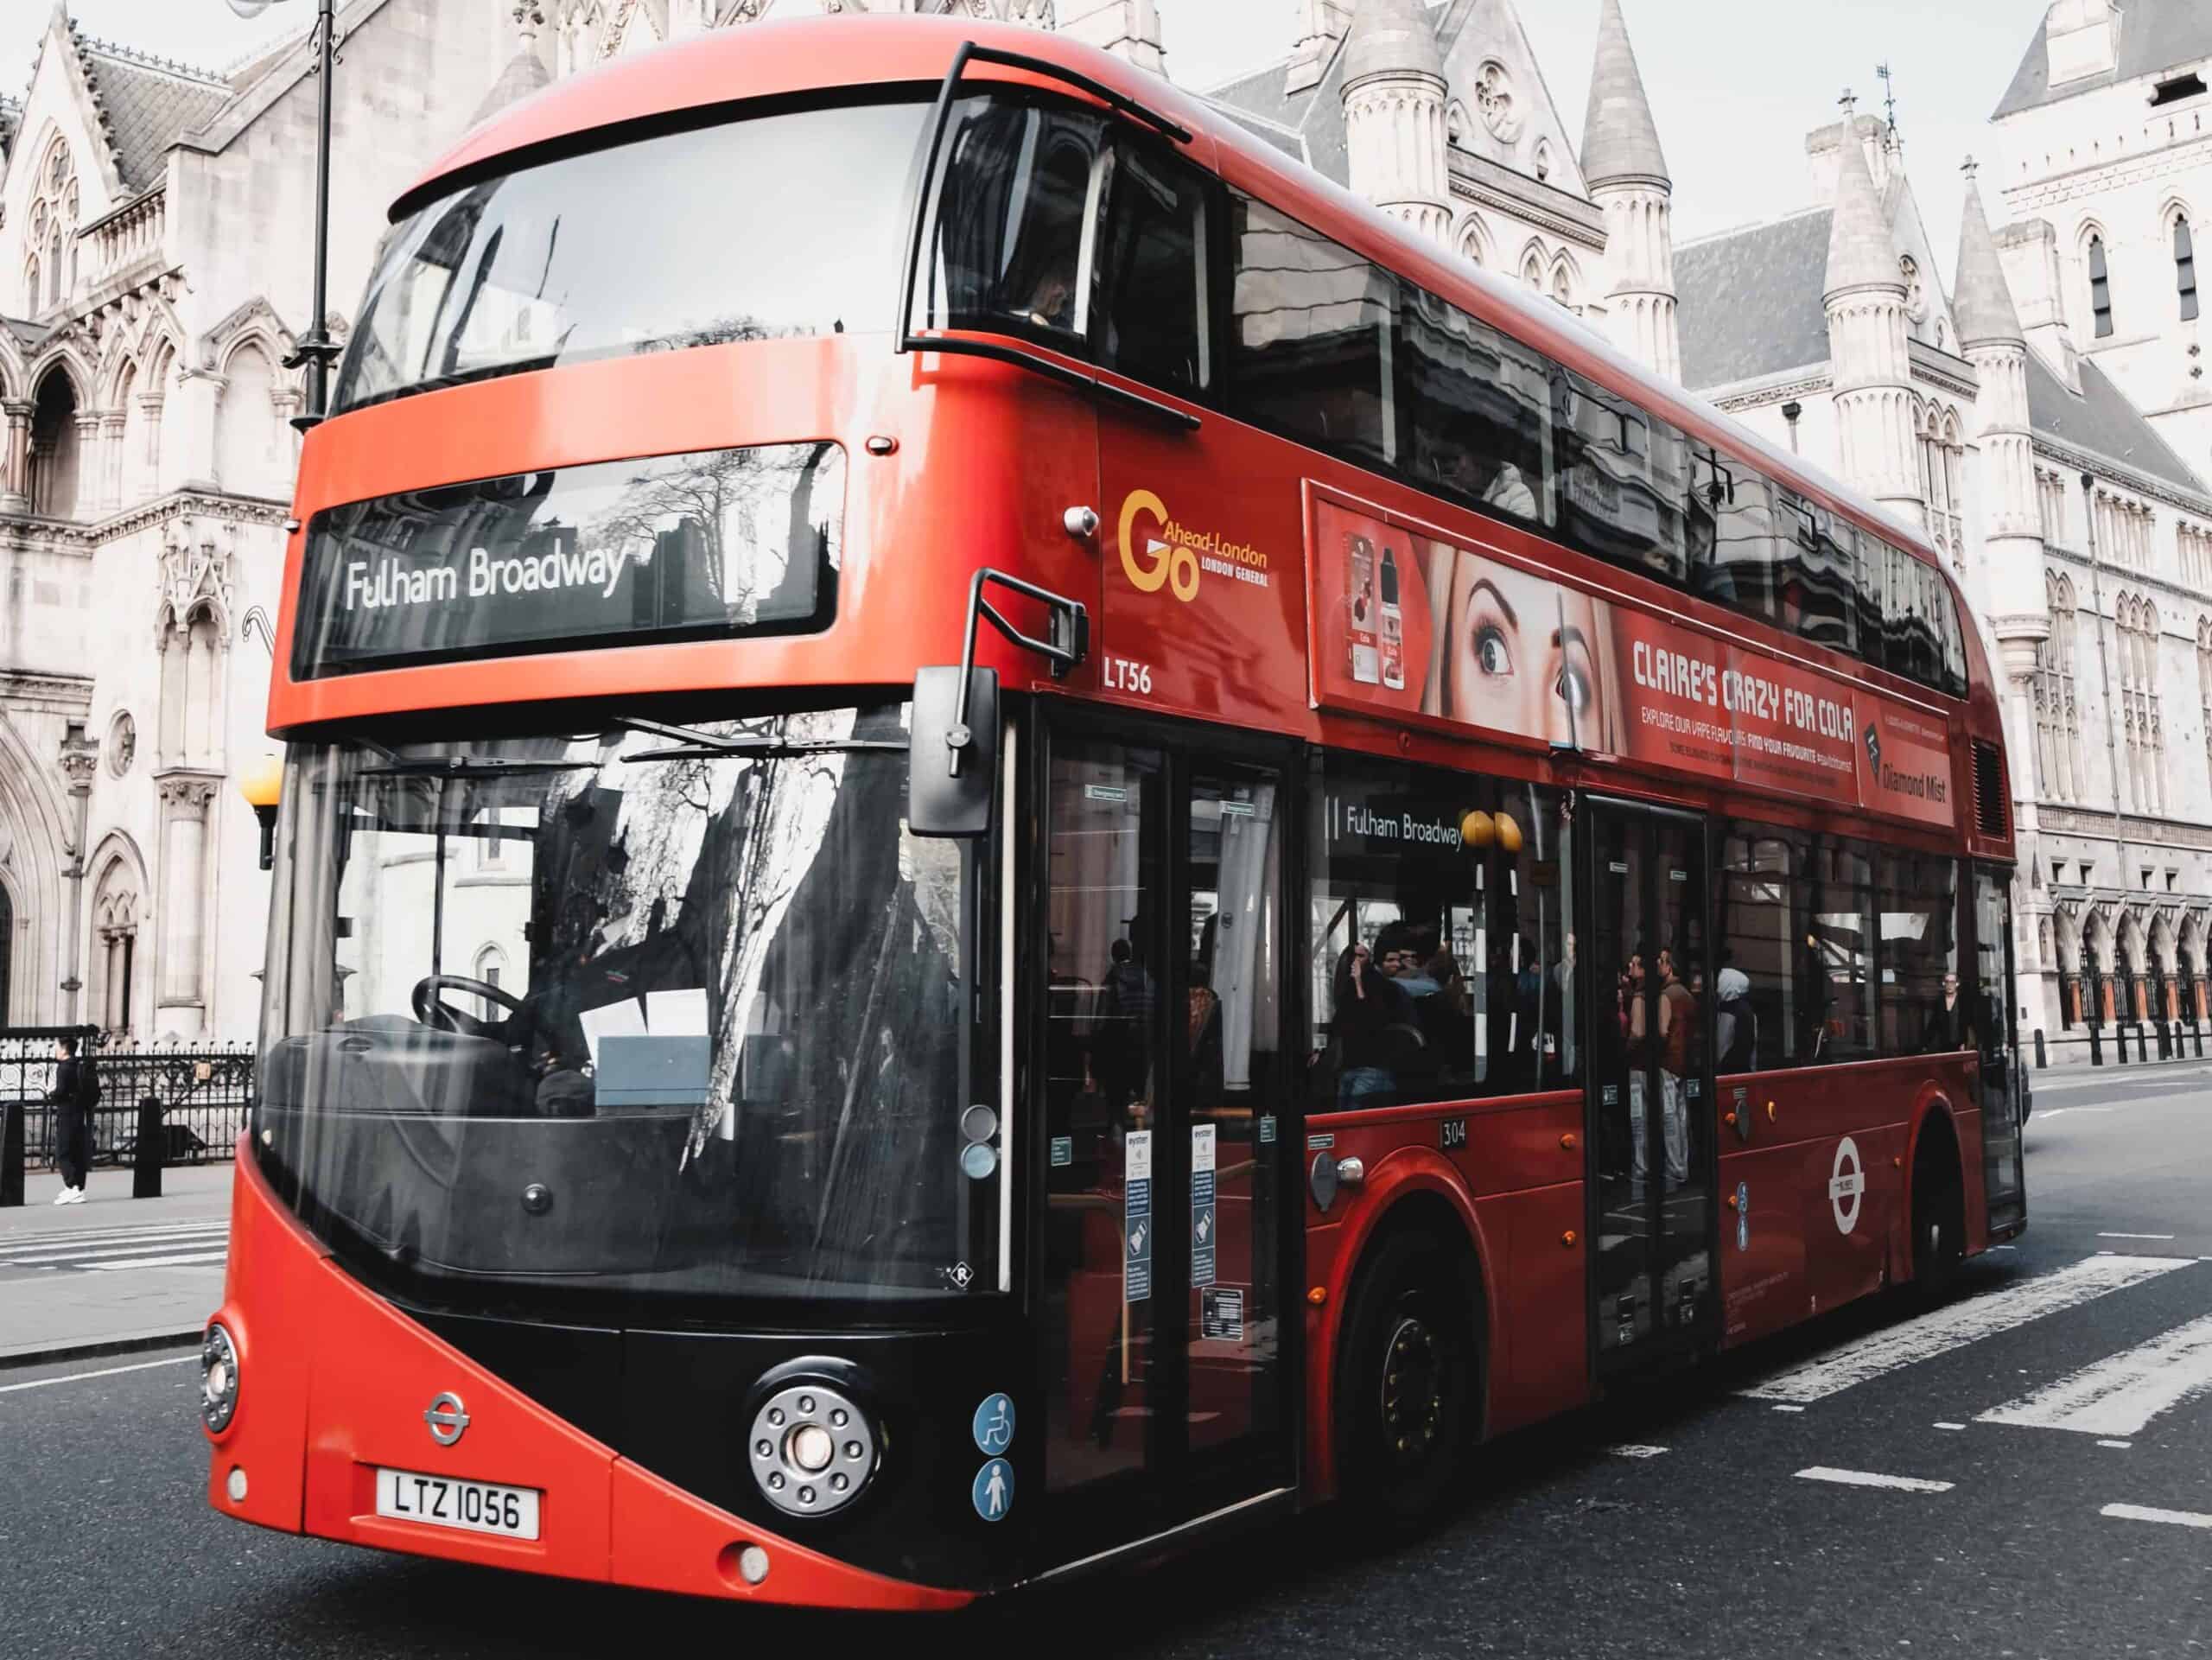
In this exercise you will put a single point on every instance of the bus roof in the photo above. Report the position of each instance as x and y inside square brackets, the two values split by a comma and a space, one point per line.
[728, 66]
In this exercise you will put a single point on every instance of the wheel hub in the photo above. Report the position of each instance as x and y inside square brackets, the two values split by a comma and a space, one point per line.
[1413, 1392]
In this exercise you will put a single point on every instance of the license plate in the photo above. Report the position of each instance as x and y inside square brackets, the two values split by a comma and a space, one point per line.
[445, 1502]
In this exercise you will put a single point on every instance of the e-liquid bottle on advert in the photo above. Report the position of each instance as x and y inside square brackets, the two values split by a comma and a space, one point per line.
[1394, 626]
[1364, 667]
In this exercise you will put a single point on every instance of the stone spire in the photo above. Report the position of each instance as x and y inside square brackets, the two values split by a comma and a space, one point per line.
[1982, 301]
[1861, 253]
[1626, 173]
[1391, 37]
[1395, 137]
[526, 72]
[1619, 139]
[2011, 522]
[1869, 362]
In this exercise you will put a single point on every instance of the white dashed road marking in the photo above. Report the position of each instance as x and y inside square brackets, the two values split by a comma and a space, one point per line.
[2142, 1513]
[1634, 1452]
[1868, 1478]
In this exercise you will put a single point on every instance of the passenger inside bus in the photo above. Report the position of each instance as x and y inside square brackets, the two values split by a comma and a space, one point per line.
[1448, 971]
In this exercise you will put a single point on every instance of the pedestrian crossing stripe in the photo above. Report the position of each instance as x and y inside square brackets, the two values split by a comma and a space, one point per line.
[2116, 1397]
[1945, 1330]
[31, 1239]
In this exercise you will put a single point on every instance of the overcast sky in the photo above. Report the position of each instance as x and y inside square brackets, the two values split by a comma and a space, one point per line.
[1735, 84]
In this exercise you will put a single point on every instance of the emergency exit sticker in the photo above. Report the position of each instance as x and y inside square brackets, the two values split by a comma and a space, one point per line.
[1136, 1217]
[1203, 1217]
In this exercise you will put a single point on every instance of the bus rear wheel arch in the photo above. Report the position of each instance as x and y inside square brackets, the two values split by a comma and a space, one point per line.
[1938, 1210]
[1410, 1370]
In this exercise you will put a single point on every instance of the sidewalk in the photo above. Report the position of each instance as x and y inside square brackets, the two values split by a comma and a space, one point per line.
[104, 1277]
[2080, 1074]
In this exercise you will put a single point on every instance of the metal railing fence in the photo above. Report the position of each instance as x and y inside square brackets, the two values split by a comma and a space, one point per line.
[204, 1091]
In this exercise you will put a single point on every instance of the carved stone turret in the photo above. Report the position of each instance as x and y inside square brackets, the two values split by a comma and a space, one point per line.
[1626, 172]
[1394, 134]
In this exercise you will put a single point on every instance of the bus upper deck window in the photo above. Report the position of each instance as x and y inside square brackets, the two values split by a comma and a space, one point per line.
[1020, 187]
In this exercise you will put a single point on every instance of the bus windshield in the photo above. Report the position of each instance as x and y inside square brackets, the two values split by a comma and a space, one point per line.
[681, 239]
[651, 1009]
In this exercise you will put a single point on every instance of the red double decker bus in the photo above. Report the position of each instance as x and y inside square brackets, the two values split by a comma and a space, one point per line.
[1006, 836]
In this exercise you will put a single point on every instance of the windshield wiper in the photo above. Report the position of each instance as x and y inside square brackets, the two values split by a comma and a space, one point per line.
[690, 744]
[474, 766]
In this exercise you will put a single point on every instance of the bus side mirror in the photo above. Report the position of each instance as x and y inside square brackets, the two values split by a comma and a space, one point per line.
[952, 754]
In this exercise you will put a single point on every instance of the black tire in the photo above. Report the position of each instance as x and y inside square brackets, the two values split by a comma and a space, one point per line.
[1939, 1216]
[1408, 1370]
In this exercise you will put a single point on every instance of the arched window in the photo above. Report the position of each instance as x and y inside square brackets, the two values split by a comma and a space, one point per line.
[2137, 623]
[114, 965]
[53, 227]
[7, 946]
[2204, 681]
[1532, 272]
[2184, 267]
[1473, 239]
[2058, 731]
[2099, 288]
[491, 969]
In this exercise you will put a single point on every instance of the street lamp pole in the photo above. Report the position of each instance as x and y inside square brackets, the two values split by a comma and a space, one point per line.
[315, 348]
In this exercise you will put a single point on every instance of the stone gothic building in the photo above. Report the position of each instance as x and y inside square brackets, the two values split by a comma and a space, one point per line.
[2064, 348]
[154, 271]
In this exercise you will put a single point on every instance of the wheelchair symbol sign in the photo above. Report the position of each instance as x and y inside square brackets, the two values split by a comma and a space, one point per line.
[994, 1425]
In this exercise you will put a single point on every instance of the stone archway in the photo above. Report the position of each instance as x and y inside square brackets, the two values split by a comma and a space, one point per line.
[2097, 961]
[2194, 999]
[118, 969]
[2165, 994]
[2132, 968]
[33, 835]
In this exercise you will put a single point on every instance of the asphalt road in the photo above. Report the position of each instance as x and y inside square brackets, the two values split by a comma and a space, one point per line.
[1683, 1525]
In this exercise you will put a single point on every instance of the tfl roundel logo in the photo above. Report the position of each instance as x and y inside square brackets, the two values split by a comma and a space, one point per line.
[447, 1419]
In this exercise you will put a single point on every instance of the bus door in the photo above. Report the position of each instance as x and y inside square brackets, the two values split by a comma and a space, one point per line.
[1166, 1070]
[1650, 1098]
[2004, 1177]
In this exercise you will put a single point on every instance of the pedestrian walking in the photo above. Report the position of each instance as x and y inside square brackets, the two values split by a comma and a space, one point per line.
[73, 1092]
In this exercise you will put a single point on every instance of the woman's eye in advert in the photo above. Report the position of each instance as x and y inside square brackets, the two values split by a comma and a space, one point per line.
[1492, 655]
[1572, 688]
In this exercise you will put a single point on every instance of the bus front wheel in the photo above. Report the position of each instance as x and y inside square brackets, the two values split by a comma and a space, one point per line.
[1406, 1380]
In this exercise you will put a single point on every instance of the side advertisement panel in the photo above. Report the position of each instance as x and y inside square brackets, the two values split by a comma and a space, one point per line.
[1423, 628]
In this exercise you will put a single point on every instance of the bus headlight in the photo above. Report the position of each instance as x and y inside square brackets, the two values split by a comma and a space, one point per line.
[812, 1449]
[218, 1380]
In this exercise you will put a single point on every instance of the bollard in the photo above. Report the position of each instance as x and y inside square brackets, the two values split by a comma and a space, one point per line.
[153, 1145]
[2043, 1059]
[2196, 1029]
[2142, 1044]
[2166, 1042]
[2097, 1048]
[11, 1153]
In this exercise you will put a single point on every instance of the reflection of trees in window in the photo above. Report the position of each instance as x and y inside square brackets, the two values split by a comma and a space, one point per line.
[740, 524]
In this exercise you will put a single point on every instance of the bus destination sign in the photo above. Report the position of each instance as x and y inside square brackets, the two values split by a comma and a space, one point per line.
[708, 545]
